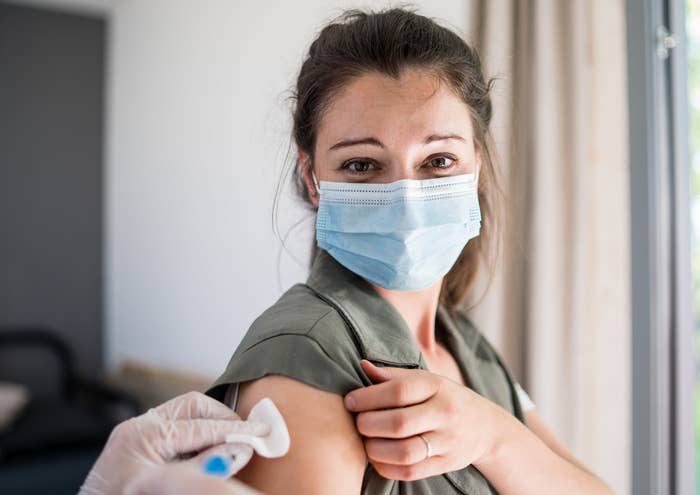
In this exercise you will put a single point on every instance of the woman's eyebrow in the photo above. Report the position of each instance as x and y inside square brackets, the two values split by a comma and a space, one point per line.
[376, 142]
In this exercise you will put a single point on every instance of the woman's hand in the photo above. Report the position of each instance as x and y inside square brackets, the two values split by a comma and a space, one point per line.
[403, 403]
[172, 440]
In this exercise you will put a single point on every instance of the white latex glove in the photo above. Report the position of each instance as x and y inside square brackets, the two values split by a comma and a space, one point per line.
[173, 439]
[184, 478]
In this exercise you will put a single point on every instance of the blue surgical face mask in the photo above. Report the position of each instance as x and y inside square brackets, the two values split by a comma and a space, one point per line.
[404, 235]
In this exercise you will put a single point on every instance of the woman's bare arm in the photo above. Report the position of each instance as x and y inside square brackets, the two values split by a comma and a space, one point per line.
[540, 428]
[326, 453]
[530, 459]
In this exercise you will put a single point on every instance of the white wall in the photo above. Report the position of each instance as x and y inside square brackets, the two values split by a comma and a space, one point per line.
[198, 129]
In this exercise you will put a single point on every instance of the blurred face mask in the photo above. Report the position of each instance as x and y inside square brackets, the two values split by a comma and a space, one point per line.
[404, 235]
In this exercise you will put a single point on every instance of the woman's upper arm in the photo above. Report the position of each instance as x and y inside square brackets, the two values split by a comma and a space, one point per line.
[326, 453]
[539, 427]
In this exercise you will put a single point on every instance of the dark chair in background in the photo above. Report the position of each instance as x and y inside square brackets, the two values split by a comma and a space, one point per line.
[55, 440]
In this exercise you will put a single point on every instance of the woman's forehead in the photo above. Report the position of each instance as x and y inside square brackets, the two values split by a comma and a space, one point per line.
[409, 108]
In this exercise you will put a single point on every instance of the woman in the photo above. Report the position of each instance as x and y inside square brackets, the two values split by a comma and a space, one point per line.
[391, 126]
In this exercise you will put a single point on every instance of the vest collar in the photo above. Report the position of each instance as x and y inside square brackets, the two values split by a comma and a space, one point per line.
[379, 328]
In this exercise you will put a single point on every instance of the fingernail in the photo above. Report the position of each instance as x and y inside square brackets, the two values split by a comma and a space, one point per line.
[216, 465]
[349, 402]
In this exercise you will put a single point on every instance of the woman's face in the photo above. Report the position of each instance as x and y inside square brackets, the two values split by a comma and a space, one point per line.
[379, 129]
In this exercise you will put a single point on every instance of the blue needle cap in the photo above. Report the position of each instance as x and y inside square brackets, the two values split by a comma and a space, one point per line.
[216, 465]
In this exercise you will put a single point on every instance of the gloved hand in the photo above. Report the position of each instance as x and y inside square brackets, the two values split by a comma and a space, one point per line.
[173, 439]
[184, 478]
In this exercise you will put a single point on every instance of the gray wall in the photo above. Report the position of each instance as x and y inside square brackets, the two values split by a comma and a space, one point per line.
[51, 134]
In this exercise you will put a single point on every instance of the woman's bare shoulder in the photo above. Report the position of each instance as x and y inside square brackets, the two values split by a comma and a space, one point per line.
[326, 453]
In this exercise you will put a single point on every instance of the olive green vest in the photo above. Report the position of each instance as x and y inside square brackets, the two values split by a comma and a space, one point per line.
[319, 331]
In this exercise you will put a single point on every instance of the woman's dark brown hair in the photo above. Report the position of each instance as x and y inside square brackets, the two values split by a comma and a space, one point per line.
[387, 42]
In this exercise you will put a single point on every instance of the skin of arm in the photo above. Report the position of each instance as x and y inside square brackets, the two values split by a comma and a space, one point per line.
[523, 459]
[326, 453]
[540, 428]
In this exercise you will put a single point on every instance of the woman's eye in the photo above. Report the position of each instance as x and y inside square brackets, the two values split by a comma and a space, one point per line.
[358, 166]
[441, 162]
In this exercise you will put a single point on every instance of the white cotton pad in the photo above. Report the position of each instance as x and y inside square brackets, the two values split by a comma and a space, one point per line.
[276, 444]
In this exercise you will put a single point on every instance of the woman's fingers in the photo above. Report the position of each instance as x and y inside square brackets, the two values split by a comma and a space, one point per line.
[424, 469]
[401, 422]
[402, 452]
[406, 388]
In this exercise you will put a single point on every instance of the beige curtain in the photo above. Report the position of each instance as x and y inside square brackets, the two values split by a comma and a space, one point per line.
[559, 307]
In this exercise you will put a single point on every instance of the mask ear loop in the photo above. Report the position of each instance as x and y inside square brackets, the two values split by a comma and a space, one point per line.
[318, 190]
[476, 174]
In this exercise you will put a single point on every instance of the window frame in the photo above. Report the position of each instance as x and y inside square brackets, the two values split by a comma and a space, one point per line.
[663, 455]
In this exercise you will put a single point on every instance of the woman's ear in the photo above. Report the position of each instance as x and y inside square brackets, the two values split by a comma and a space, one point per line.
[308, 176]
